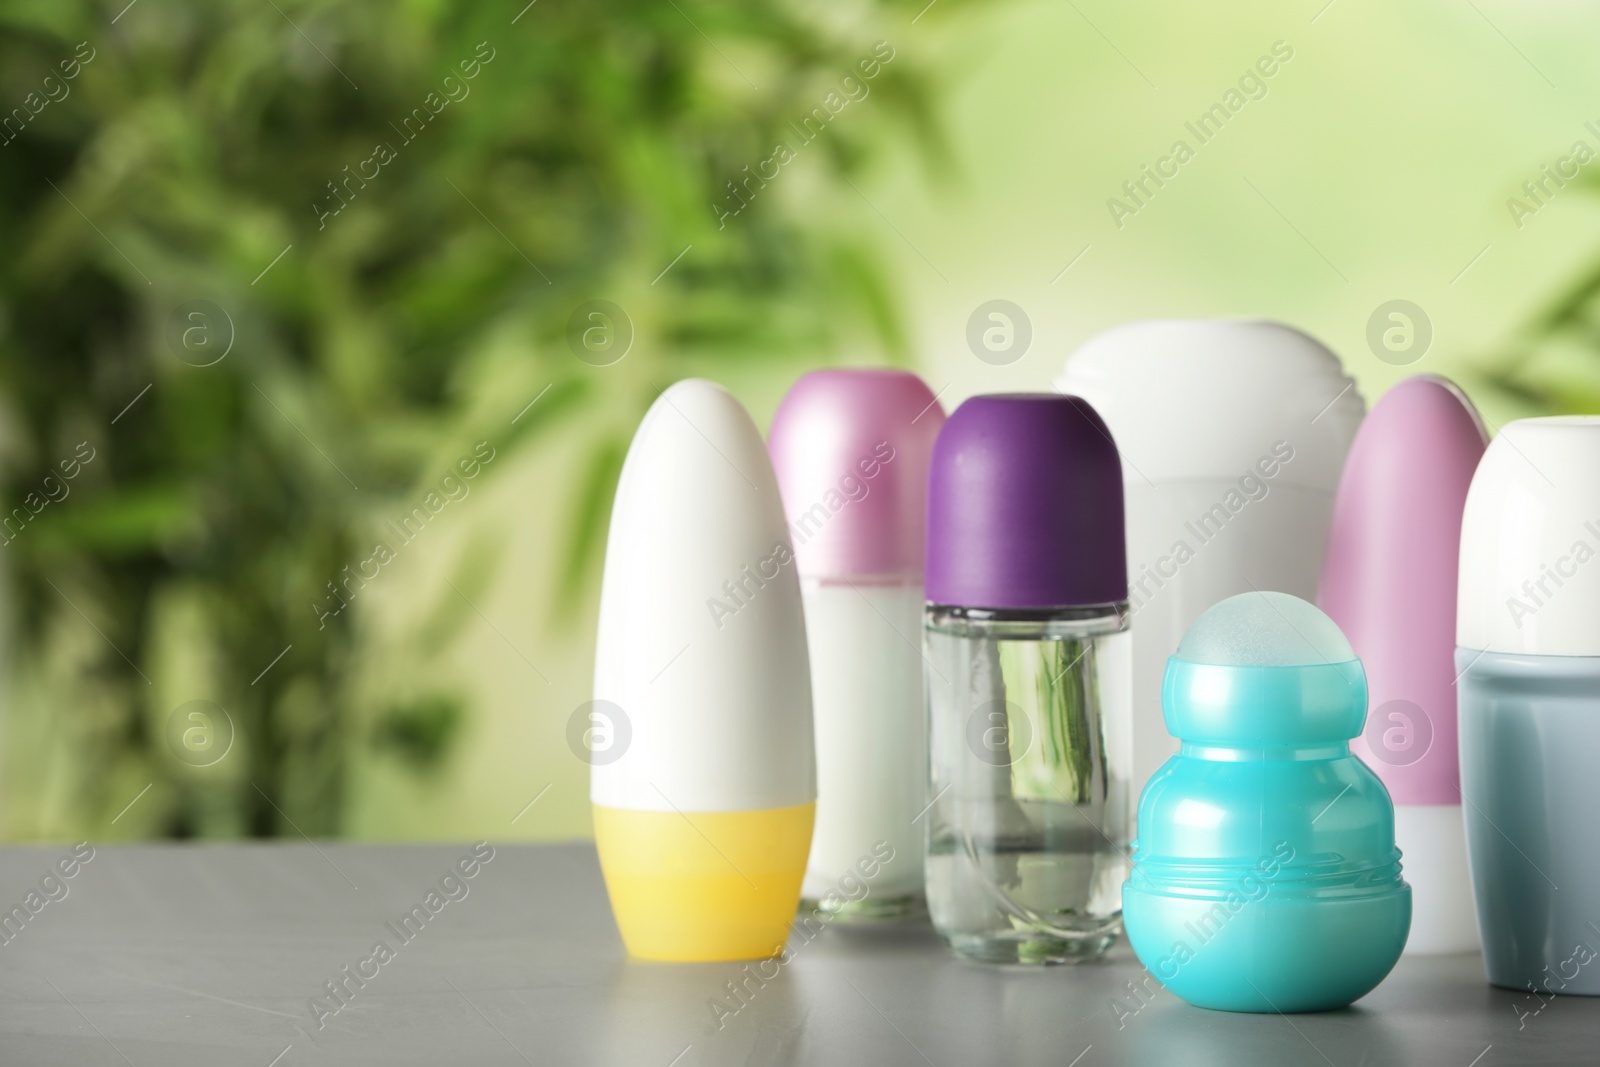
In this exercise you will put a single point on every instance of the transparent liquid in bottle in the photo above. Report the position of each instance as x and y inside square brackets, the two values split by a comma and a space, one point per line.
[1030, 754]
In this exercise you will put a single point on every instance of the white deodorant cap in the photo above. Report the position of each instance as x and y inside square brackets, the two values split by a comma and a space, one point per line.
[1530, 541]
[701, 658]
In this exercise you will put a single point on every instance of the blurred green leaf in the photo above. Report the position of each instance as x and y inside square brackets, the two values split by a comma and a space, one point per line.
[586, 541]
[420, 731]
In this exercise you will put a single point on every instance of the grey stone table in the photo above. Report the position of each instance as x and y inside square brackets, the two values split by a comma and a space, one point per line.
[172, 955]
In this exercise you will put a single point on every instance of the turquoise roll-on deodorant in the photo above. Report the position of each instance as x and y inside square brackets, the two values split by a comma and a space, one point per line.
[1265, 875]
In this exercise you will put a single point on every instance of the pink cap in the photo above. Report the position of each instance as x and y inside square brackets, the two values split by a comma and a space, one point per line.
[851, 449]
[1389, 579]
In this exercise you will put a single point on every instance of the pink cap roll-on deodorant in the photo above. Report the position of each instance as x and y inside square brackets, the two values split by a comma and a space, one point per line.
[1389, 580]
[851, 450]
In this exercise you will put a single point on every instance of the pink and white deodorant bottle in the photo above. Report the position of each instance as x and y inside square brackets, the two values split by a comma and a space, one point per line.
[1232, 435]
[851, 450]
[1389, 581]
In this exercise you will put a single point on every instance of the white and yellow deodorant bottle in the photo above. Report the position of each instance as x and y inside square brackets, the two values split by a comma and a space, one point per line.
[705, 794]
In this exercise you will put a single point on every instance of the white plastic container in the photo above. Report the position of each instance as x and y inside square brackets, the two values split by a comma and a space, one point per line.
[1232, 436]
[704, 797]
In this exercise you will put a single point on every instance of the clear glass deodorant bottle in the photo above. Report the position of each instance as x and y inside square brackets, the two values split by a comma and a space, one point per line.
[1029, 681]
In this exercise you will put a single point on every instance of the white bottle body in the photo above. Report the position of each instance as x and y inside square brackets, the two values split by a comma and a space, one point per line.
[1433, 847]
[1233, 434]
[871, 738]
[1191, 545]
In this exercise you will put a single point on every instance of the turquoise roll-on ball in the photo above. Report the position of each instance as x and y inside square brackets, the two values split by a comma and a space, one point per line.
[1265, 876]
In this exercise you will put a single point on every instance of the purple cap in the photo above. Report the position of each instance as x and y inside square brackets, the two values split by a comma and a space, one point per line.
[851, 450]
[1389, 579]
[1025, 506]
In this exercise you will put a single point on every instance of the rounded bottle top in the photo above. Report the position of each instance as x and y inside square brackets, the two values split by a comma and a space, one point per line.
[851, 449]
[1025, 506]
[1530, 533]
[1264, 629]
[1390, 573]
[1205, 399]
[702, 686]
[1264, 669]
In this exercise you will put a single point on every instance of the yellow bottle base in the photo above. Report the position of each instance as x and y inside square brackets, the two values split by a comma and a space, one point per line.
[699, 886]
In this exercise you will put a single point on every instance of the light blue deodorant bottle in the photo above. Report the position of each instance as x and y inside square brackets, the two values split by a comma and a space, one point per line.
[1528, 655]
[1265, 875]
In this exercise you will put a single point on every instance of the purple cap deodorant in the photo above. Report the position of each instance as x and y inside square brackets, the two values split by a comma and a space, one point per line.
[1029, 678]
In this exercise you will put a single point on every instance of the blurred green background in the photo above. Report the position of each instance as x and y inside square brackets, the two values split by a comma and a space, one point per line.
[332, 564]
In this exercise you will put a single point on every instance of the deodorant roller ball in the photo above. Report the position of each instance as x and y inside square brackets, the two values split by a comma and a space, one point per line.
[1265, 875]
